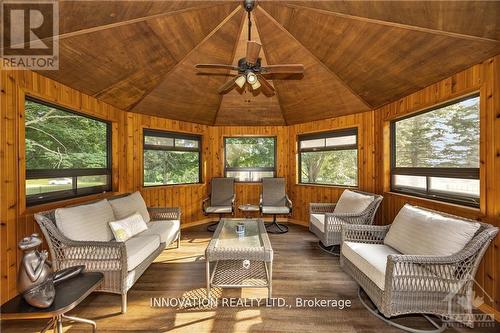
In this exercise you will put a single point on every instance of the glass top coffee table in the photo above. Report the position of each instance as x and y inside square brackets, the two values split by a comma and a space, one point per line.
[234, 261]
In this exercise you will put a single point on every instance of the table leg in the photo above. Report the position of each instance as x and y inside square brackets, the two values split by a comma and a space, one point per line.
[58, 327]
[208, 279]
[81, 320]
[270, 269]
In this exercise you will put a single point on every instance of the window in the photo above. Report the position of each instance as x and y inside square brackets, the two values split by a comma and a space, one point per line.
[67, 154]
[249, 159]
[329, 158]
[435, 154]
[171, 158]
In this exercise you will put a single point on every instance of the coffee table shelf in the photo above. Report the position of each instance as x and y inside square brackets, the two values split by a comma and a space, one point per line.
[226, 253]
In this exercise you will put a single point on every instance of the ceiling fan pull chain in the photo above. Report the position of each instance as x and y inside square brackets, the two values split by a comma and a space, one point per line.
[249, 27]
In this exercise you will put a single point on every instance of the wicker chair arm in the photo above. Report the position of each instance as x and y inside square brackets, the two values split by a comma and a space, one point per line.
[321, 208]
[373, 234]
[164, 213]
[96, 256]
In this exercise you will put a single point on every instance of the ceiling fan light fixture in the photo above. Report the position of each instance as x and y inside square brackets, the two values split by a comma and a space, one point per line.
[256, 85]
[240, 81]
[252, 78]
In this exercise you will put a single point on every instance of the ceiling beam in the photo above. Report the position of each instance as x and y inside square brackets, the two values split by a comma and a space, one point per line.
[207, 37]
[391, 24]
[121, 23]
[282, 28]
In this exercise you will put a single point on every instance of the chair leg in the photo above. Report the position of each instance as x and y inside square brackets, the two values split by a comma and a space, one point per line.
[124, 303]
[376, 313]
[276, 228]
[333, 249]
[179, 240]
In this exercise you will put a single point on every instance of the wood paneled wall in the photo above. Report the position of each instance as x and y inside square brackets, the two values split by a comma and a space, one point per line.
[301, 194]
[17, 220]
[483, 78]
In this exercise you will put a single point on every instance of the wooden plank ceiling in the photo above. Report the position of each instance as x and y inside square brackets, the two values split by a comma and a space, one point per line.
[140, 55]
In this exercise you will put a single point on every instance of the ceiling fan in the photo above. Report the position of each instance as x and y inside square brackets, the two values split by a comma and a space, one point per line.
[249, 68]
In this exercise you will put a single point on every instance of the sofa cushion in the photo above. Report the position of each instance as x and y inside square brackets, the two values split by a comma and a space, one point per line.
[126, 206]
[219, 209]
[167, 230]
[128, 227]
[420, 232]
[352, 202]
[371, 259]
[275, 210]
[318, 220]
[86, 222]
[139, 248]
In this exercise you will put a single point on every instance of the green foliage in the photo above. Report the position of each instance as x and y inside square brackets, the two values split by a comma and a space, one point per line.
[57, 139]
[446, 137]
[170, 167]
[336, 167]
[250, 152]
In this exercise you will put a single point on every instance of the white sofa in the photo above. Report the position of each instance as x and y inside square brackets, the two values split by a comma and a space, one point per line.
[80, 235]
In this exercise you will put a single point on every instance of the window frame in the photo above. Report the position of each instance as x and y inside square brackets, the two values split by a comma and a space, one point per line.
[236, 169]
[173, 135]
[75, 192]
[326, 135]
[429, 172]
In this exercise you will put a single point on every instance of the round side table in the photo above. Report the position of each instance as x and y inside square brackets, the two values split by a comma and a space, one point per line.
[248, 209]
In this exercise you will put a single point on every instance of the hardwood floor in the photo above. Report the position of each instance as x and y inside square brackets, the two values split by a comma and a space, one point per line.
[301, 269]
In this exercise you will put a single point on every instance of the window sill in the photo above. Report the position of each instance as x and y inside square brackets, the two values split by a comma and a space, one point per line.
[345, 187]
[170, 185]
[67, 202]
[474, 211]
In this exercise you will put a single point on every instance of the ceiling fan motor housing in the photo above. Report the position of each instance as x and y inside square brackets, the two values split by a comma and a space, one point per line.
[249, 5]
[244, 66]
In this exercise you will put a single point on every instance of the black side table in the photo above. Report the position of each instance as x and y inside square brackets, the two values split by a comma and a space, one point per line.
[69, 294]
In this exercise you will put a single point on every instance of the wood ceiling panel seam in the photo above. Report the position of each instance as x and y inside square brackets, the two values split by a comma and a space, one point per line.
[227, 18]
[275, 84]
[391, 23]
[243, 17]
[330, 71]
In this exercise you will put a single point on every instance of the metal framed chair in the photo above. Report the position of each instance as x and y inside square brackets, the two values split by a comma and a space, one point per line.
[327, 225]
[274, 201]
[220, 201]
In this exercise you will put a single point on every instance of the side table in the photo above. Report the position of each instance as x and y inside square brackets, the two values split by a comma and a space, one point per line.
[248, 209]
[69, 294]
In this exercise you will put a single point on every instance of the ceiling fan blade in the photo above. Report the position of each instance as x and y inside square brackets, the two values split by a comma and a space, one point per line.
[216, 66]
[265, 86]
[253, 50]
[283, 69]
[227, 86]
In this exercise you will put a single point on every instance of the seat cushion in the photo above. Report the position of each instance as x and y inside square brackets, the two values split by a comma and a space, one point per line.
[139, 248]
[318, 220]
[219, 209]
[275, 210]
[371, 259]
[126, 206]
[86, 222]
[352, 202]
[128, 227]
[167, 230]
[421, 232]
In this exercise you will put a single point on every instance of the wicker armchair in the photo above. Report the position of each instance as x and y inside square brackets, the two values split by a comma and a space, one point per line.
[421, 284]
[330, 235]
[109, 258]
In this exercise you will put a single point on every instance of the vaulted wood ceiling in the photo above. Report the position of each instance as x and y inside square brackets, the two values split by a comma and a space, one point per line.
[139, 56]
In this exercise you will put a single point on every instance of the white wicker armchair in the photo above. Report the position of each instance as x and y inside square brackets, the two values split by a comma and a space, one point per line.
[327, 225]
[420, 284]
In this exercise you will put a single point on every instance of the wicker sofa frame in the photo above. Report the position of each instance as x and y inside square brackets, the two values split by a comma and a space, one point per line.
[109, 258]
[331, 235]
[421, 284]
